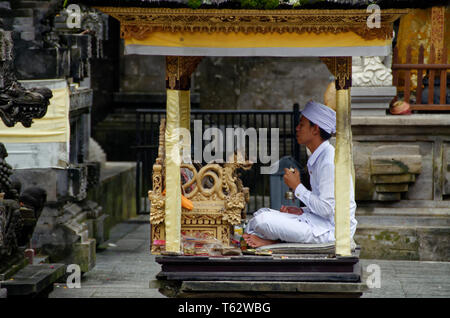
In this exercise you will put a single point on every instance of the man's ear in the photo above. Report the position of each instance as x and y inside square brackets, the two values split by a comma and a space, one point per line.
[316, 130]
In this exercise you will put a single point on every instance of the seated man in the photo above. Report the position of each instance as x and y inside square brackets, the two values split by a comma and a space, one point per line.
[315, 222]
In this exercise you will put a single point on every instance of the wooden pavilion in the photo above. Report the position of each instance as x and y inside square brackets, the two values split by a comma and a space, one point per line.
[332, 31]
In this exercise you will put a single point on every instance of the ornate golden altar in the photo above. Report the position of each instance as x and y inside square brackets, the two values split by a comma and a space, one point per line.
[216, 209]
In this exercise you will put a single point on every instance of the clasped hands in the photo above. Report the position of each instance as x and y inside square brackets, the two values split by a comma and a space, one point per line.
[292, 180]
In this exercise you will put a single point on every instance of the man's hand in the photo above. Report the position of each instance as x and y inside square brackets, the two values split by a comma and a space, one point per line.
[292, 179]
[291, 210]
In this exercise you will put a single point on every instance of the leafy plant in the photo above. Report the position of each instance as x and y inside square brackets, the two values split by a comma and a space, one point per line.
[194, 4]
[259, 4]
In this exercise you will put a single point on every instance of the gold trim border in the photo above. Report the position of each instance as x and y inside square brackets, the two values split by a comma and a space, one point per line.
[139, 22]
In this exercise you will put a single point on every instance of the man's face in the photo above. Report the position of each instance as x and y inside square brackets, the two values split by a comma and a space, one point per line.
[304, 131]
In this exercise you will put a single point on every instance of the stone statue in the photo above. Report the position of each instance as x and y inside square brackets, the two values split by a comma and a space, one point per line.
[372, 90]
[18, 212]
[18, 104]
[370, 71]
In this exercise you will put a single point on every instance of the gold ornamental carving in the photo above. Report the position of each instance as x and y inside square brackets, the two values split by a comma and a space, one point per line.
[139, 22]
[216, 191]
[179, 70]
[341, 68]
[343, 72]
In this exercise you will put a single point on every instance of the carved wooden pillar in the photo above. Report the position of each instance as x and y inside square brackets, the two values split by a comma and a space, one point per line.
[438, 31]
[178, 78]
[341, 68]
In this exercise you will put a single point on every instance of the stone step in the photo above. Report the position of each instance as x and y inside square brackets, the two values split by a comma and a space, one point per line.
[403, 221]
[404, 211]
[33, 279]
[409, 217]
[424, 243]
[12, 265]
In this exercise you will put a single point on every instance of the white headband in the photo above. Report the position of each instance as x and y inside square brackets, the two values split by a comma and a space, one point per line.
[321, 115]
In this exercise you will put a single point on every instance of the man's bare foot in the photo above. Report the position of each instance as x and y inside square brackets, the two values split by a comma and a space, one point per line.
[255, 241]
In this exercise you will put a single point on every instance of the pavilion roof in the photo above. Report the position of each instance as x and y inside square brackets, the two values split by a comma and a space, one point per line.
[255, 27]
[264, 4]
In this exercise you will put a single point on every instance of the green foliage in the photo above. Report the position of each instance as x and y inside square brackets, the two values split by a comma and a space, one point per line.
[194, 4]
[249, 4]
[259, 4]
[271, 4]
[300, 3]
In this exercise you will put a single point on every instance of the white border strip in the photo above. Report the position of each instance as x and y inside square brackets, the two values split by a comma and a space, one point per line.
[263, 51]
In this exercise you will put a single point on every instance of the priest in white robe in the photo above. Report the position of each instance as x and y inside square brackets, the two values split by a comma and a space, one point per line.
[315, 222]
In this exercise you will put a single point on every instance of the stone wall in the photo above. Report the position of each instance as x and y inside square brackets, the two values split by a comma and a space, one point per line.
[260, 83]
[116, 192]
[46, 49]
[403, 213]
[235, 83]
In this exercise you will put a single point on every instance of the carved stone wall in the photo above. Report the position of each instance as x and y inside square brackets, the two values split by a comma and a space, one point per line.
[402, 186]
[45, 48]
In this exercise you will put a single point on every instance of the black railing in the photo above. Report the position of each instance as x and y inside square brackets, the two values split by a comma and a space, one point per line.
[147, 141]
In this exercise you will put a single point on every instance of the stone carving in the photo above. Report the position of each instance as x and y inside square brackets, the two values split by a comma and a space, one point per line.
[217, 193]
[18, 213]
[393, 169]
[370, 71]
[446, 161]
[372, 90]
[18, 104]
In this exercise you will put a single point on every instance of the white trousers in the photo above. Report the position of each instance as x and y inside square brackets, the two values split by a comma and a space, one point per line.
[271, 224]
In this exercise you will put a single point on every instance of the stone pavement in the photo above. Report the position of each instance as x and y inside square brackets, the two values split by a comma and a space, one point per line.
[125, 267]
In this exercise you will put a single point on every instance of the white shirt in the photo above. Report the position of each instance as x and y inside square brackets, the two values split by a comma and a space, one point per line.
[320, 203]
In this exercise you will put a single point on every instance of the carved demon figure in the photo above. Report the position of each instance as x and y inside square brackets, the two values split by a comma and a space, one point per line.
[18, 104]
[19, 211]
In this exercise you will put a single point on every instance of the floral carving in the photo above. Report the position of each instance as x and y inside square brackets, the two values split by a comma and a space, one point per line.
[216, 192]
[139, 22]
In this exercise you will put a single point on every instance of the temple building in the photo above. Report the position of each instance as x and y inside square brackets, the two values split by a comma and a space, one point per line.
[93, 91]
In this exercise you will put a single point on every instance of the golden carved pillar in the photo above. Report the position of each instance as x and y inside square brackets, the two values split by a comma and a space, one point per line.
[178, 73]
[341, 68]
[343, 157]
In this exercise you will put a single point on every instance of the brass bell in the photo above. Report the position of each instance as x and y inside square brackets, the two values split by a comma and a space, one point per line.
[289, 195]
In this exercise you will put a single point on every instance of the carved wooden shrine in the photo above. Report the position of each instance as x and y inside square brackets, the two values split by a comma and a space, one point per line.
[215, 209]
[184, 35]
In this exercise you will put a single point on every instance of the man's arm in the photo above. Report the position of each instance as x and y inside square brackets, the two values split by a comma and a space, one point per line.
[323, 204]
